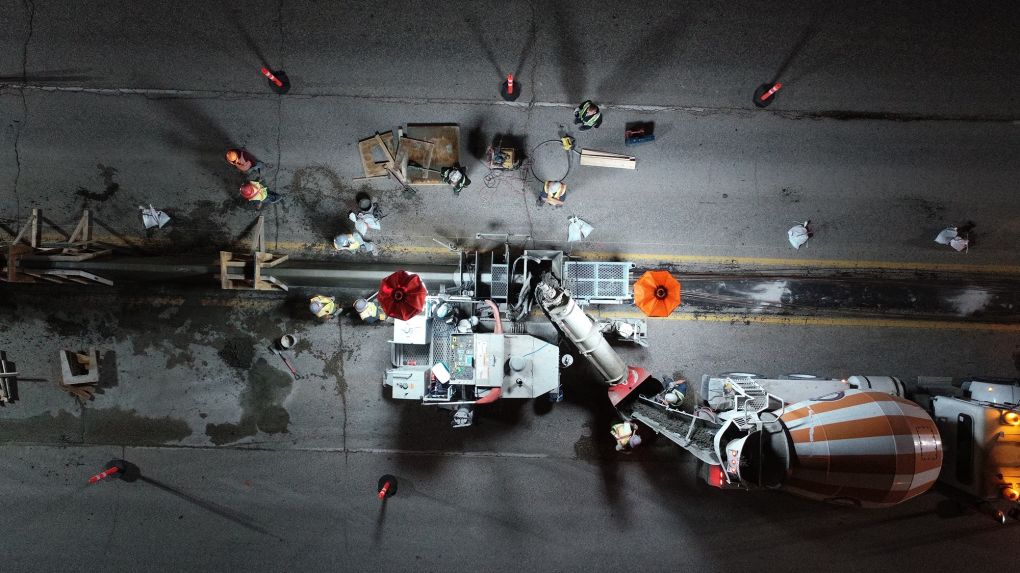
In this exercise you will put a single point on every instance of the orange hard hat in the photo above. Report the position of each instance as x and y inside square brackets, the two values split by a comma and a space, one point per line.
[248, 191]
[232, 155]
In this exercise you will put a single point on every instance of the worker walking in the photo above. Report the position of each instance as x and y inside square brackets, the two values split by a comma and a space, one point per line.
[259, 194]
[588, 115]
[625, 434]
[245, 163]
[370, 312]
[323, 307]
[353, 243]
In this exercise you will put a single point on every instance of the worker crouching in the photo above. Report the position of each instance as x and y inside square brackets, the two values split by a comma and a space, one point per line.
[553, 193]
[353, 243]
[370, 312]
[455, 177]
[626, 436]
[323, 307]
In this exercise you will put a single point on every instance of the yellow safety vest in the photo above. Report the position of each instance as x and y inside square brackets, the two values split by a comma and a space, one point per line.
[353, 243]
[328, 305]
[622, 432]
[372, 310]
[262, 192]
[587, 121]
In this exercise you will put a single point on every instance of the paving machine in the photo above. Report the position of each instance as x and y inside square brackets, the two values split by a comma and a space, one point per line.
[478, 341]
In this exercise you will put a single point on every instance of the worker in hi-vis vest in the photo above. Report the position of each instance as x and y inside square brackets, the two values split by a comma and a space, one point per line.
[625, 434]
[258, 193]
[588, 115]
[554, 192]
[323, 307]
[369, 312]
[245, 163]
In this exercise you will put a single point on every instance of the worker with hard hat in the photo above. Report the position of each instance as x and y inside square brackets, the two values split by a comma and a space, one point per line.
[625, 434]
[245, 163]
[353, 243]
[368, 311]
[259, 193]
[553, 193]
[588, 115]
[674, 394]
[455, 177]
[323, 307]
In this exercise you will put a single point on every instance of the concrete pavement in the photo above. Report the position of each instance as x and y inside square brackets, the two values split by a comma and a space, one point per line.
[311, 511]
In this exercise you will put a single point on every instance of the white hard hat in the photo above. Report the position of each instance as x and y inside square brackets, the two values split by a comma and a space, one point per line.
[315, 306]
[341, 241]
[360, 304]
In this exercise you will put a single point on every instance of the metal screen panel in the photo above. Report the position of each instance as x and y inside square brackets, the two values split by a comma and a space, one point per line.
[441, 350]
[410, 354]
[594, 282]
[499, 283]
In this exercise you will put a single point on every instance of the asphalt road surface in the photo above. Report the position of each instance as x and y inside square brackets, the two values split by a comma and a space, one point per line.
[893, 123]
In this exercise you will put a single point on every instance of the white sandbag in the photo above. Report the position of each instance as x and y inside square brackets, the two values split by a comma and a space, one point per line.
[799, 234]
[959, 243]
[946, 236]
[153, 217]
[578, 229]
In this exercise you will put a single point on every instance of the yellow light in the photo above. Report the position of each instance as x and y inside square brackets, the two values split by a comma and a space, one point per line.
[1011, 493]
[1012, 418]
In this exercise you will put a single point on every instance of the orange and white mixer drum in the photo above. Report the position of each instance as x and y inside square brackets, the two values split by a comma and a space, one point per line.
[861, 448]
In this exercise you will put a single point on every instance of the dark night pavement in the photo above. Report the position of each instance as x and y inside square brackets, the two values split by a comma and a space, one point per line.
[893, 123]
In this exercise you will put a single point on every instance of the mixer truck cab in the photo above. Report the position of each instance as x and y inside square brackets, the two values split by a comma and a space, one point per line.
[981, 431]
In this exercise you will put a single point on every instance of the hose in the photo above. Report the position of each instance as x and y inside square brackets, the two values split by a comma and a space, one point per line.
[495, 315]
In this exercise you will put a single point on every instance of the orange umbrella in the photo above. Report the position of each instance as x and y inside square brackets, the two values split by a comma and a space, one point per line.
[657, 293]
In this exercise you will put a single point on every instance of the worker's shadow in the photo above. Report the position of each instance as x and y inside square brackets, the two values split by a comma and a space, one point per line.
[599, 447]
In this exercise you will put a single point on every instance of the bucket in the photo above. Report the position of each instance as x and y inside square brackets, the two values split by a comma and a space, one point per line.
[287, 341]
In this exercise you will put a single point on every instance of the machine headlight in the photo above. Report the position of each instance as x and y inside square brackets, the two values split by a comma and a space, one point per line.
[1011, 418]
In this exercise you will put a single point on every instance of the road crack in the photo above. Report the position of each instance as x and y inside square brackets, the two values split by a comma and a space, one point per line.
[30, 8]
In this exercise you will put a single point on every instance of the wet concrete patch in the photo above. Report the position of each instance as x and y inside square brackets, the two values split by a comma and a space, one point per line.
[126, 427]
[64, 427]
[238, 351]
[334, 367]
[261, 407]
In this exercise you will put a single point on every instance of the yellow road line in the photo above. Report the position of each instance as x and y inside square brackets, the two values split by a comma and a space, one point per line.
[781, 262]
[823, 321]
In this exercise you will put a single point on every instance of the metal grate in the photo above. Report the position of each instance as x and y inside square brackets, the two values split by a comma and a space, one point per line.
[595, 282]
[410, 354]
[499, 285]
[441, 343]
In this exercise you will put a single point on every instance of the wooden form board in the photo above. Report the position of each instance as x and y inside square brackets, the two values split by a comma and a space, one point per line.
[445, 153]
[366, 146]
[595, 158]
[413, 151]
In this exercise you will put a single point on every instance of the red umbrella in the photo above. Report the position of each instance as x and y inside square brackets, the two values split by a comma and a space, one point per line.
[402, 295]
[657, 293]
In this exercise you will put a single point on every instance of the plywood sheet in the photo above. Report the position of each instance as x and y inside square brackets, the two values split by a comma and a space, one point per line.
[445, 153]
[414, 151]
